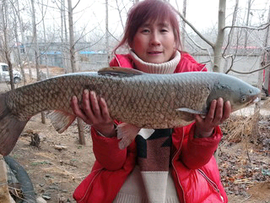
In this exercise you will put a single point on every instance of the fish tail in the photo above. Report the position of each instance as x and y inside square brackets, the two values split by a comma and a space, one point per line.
[10, 127]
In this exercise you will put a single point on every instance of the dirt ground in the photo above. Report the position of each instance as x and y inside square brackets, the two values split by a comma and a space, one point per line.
[55, 173]
[60, 163]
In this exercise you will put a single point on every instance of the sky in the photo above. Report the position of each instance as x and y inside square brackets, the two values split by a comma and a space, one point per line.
[89, 15]
[202, 14]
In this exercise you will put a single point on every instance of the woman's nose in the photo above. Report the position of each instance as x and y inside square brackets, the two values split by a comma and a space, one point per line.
[154, 39]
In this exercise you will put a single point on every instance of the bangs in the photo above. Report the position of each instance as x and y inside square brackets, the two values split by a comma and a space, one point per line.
[150, 11]
[160, 11]
[156, 14]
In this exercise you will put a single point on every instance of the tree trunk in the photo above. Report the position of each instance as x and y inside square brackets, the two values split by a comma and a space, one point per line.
[231, 36]
[64, 37]
[6, 42]
[247, 23]
[107, 33]
[72, 61]
[183, 34]
[71, 38]
[220, 36]
[23, 42]
[267, 36]
[16, 21]
[36, 50]
[255, 124]
[45, 41]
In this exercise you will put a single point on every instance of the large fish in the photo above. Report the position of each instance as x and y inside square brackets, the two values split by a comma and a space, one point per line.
[138, 99]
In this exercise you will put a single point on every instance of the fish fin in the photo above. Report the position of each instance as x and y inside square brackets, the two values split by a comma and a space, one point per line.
[126, 133]
[61, 120]
[10, 128]
[120, 72]
[191, 111]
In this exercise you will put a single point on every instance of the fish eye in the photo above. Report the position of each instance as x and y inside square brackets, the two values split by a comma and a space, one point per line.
[243, 99]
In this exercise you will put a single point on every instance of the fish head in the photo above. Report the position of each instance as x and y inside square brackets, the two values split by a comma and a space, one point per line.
[239, 93]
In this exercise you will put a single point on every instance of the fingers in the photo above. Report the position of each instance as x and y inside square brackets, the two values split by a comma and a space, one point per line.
[90, 105]
[217, 114]
[76, 108]
[211, 113]
[104, 109]
[227, 110]
[93, 110]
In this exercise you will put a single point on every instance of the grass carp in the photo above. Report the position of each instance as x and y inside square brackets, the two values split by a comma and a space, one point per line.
[136, 98]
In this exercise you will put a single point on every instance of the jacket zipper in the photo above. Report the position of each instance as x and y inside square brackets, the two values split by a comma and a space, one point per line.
[175, 169]
[212, 183]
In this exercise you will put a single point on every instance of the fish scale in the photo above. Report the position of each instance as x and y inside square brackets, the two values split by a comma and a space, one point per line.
[139, 99]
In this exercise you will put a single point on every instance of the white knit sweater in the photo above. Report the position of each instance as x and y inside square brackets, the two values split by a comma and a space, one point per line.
[133, 190]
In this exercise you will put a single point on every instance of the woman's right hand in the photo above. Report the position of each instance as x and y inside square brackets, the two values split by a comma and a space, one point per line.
[94, 111]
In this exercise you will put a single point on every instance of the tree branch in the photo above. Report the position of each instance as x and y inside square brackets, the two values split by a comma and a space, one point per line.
[195, 30]
[264, 67]
[261, 27]
[76, 4]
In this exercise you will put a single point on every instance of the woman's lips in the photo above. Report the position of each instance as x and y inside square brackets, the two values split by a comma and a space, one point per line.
[154, 52]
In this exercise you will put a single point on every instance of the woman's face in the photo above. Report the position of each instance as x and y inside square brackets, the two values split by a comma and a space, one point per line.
[154, 42]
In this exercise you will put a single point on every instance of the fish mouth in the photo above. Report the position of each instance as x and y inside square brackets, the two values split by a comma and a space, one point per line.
[257, 99]
[253, 100]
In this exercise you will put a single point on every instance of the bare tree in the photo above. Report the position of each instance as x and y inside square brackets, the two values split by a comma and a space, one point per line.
[217, 46]
[73, 62]
[6, 39]
[255, 128]
[247, 22]
[43, 11]
[266, 55]
[183, 34]
[227, 49]
[36, 49]
[107, 32]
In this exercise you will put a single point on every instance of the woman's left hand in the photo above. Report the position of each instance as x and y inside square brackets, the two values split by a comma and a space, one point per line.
[217, 114]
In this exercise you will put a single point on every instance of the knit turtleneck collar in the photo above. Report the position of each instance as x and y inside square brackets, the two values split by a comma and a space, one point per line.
[161, 68]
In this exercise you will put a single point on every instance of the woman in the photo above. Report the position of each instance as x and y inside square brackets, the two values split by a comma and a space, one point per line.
[183, 169]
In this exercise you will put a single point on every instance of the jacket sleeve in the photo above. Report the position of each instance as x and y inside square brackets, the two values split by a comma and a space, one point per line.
[107, 152]
[196, 152]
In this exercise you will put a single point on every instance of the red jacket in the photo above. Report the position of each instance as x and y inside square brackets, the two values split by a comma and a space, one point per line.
[194, 169]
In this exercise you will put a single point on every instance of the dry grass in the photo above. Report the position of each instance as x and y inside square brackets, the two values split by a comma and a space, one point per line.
[238, 127]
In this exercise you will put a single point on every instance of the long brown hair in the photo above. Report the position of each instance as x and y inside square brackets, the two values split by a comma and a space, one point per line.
[149, 10]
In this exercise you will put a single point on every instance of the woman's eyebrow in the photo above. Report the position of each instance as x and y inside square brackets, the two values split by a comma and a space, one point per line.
[161, 24]
[145, 25]
[164, 24]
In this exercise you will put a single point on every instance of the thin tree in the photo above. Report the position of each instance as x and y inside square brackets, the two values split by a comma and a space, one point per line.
[16, 13]
[6, 48]
[230, 39]
[107, 32]
[73, 62]
[255, 124]
[36, 50]
[247, 22]
[183, 34]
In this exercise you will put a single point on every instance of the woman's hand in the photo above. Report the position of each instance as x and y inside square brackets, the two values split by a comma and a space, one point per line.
[217, 114]
[94, 111]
